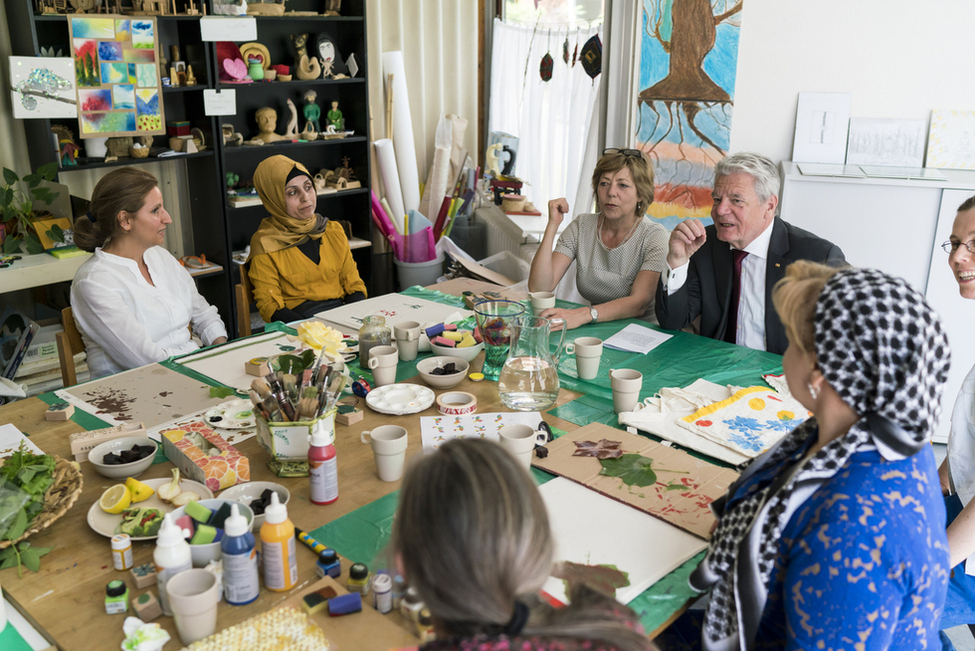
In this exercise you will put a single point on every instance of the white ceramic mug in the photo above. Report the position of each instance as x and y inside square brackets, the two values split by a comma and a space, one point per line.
[541, 301]
[626, 384]
[389, 447]
[520, 441]
[588, 351]
[193, 596]
[382, 363]
[407, 335]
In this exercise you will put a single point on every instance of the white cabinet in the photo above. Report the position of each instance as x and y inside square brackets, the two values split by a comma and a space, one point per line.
[896, 226]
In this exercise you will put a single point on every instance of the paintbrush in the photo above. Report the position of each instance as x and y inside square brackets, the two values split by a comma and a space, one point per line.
[261, 386]
[273, 408]
[290, 384]
[318, 362]
[308, 403]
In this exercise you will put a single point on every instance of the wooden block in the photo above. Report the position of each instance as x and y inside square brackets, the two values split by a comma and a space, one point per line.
[59, 411]
[350, 417]
[82, 442]
[144, 575]
[146, 606]
[257, 366]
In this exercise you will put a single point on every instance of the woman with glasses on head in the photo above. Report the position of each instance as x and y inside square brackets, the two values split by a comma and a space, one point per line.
[958, 469]
[619, 253]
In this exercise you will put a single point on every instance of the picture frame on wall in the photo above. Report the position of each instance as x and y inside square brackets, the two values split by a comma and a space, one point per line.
[951, 140]
[886, 142]
[822, 125]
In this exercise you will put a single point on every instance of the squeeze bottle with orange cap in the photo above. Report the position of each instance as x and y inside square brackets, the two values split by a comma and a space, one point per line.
[278, 547]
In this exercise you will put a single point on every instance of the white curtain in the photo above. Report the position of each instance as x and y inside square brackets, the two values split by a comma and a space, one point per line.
[551, 119]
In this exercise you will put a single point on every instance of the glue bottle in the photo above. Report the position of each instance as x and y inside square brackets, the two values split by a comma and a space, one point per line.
[323, 466]
[278, 548]
[171, 557]
[240, 582]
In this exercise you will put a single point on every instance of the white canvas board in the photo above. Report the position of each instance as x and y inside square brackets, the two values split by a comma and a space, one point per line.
[225, 364]
[951, 141]
[876, 141]
[822, 121]
[592, 529]
[395, 308]
[49, 93]
[437, 430]
[10, 440]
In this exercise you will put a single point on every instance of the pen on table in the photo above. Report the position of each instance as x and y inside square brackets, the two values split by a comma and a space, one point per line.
[313, 544]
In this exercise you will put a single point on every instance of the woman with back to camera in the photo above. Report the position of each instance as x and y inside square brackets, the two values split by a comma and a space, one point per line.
[834, 537]
[300, 261]
[471, 535]
[619, 252]
[132, 300]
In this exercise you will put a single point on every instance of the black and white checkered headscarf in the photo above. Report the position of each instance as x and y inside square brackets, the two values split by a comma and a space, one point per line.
[883, 350]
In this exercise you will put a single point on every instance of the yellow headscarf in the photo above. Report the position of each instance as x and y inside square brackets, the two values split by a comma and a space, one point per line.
[279, 231]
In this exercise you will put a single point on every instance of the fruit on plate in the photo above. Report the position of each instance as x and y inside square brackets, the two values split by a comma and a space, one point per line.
[140, 522]
[139, 491]
[116, 499]
[171, 493]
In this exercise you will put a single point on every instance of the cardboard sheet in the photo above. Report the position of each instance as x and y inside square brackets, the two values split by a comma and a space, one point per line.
[395, 308]
[437, 430]
[594, 530]
[684, 485]
[226, 363]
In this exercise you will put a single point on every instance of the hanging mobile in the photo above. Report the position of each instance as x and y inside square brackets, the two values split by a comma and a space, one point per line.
[565, 48]
[545, 70]
[575, 52]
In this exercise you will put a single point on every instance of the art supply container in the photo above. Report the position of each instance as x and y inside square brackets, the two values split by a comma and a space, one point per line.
[278, 548]
[288, 441]
[241, 584]
[496, 322]
[172, 556]
[529, 380]
[194, 595]
[419, 273]
[116, 597]
[374, 332]
[323, 468]
[358, 579]
[122, 551]
[382, 593]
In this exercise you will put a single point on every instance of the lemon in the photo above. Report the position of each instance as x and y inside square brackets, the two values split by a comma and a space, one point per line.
[139, 491]
[116, 499]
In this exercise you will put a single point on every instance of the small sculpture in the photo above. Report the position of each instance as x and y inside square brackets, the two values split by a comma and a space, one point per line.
[230, 137]
[190, 77]
[333, 7]
[312, 111]
[67, 146]
[305, 67]
[335, 117]
[291, 133]
[332, 66]
[267, 121]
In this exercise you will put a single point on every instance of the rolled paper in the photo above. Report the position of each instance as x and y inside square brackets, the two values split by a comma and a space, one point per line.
[405, 148]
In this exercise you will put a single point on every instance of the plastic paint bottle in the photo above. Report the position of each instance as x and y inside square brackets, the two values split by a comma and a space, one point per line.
[122, 551]
[171, 557]
[278, 548]
[382, 592]
[358, 579]
[116, 597]
[323, 467]
[240, 579]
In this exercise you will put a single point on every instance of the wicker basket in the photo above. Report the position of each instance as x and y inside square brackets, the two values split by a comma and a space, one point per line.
[59, 498]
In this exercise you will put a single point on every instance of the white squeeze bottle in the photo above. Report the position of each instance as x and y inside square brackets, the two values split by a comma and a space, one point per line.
[171, 557]
[278, 547]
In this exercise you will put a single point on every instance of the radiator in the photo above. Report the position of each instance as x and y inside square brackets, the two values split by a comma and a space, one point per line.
[503, 234]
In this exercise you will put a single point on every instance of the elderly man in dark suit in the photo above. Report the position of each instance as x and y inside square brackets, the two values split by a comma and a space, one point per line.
[725, 273]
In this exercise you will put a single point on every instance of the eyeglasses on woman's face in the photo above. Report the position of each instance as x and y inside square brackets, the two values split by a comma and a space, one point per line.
[634, 153]
[950, 247]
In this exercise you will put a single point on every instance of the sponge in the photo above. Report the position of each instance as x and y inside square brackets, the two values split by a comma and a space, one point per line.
[453, 336]
[434, 330]
[220, 516]
[205, 534]
[443, 341]
[345, 604]
[198, 512]
[186, 523]
[316, 601]
[467, 342]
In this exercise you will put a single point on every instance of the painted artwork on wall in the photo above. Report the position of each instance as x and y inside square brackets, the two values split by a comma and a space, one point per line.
[115, 67]
[880, 141]
[42, 87]
[951, 141]
[688, 63]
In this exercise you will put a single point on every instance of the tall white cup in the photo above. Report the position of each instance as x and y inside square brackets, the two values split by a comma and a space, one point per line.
[626, 384]
[382, 363]
[407, 336]
[389, 447]
[588, 352]
[541, 301]
[193, 596]
[520, 441]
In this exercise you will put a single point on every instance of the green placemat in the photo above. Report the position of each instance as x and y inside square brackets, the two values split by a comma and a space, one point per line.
[10, 639]
[87, 421]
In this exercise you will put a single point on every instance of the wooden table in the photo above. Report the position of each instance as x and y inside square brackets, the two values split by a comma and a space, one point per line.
[65, 600]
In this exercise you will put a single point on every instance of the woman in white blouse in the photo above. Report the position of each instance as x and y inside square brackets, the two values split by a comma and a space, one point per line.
[132, 300]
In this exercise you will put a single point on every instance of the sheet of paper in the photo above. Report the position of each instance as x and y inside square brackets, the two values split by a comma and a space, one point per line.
[10, 439]
[395, 308]
[223, 102]
[437, 430]
[194, 422]
[593, 530]
[225, 364]
[228, 28]
[830, 169]
[636, 339]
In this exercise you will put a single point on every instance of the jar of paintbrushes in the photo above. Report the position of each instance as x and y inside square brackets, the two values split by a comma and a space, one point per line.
[290, 407]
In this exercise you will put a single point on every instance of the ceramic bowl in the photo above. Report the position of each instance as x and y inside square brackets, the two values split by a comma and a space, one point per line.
[425, 366]
[122, 470]
[247, 492]
[466, 354]
[203, 554]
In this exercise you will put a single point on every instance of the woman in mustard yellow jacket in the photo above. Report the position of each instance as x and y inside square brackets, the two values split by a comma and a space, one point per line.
[300, 262]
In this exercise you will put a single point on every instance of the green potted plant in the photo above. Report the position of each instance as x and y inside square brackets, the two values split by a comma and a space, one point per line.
[17, 208]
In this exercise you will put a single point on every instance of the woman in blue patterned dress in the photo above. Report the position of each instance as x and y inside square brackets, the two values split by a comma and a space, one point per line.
[834, 537]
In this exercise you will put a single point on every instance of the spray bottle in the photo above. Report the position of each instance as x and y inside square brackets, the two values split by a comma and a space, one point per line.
[278, 547]
[240, 582]
[323, 466]
[171, 557]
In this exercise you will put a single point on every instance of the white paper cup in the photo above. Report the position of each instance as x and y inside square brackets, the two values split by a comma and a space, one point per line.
[626, 384]
[407, 335]
[520, 441]
[389, 448]
[541, 301]
[588, 352]
[193, 596]
[382, 363]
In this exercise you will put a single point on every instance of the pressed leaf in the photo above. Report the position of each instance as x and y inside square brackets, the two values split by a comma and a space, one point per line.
[31, 560]
[9, 176]
[221, 392]
[633, 469]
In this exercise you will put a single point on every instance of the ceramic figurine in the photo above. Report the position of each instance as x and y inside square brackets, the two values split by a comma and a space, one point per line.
[312, 111]
[333, 7]
[230, 137]
[267, 121]
[305, 67]
[332, 66]
[291, 133]
[335, 118]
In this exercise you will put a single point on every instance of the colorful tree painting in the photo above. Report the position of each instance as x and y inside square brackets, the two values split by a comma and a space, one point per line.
[86, 62]
[689, 54]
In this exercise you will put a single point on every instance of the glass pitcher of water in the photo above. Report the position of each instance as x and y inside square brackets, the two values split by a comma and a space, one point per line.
[529, 380]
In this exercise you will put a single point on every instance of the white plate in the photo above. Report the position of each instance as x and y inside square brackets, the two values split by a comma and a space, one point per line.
[105, 523]
[233, 414]
[400, 399]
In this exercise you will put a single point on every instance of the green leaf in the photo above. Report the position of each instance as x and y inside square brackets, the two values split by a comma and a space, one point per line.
[56, 234]
[11, 244]
[6, 197]
[633, 469]
[33, 244]
[9, 176]
[9, 561]
[221, 392]
[31, 560]
[32, 180]
[44, 195]
[41, 551]
[48, 171]
[18, 526]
